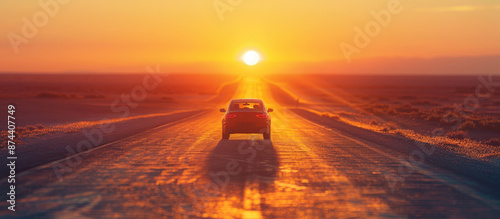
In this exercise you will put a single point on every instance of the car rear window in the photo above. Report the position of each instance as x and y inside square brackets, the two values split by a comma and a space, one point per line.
[246, 107]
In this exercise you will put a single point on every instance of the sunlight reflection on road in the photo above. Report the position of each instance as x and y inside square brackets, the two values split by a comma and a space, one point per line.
[185, 169]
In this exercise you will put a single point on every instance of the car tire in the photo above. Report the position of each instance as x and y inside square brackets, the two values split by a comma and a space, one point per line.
[225, 136]
[268, 134]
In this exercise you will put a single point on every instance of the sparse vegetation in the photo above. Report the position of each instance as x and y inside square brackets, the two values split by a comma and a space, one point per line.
[30, 128]
[493, 142]
[467, 125]
[373, 122]
[444, 115]
[330, 115]
[456, 134]
[385, 129]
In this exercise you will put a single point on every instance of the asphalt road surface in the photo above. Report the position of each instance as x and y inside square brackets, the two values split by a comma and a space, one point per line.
[184, 170]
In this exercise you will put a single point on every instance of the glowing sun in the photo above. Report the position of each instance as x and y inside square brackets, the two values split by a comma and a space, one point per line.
[251, 58]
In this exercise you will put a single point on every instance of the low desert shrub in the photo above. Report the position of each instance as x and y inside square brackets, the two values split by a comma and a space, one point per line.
[456, 134]
[493, 142]
[373, 122]
[467, 125]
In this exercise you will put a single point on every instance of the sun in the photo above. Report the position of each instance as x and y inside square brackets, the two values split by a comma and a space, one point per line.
[251, 58]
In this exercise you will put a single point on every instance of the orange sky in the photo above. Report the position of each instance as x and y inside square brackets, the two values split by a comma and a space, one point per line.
[189, 36]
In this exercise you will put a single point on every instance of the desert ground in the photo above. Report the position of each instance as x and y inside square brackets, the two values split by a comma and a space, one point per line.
[342, 146]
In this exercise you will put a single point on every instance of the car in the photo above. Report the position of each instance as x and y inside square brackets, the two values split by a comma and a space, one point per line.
[246, 116]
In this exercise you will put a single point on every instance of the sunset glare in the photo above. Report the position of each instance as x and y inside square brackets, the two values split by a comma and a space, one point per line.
[251, 58]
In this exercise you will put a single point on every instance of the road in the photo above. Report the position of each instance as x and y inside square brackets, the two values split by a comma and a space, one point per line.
[184, 169]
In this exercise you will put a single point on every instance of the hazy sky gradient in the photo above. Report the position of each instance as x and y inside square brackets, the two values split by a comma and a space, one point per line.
[187, 35]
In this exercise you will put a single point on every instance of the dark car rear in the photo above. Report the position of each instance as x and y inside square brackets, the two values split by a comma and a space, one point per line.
[246, 116]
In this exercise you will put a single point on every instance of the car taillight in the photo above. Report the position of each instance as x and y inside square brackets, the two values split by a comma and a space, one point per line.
[262, 116]
[229, 116]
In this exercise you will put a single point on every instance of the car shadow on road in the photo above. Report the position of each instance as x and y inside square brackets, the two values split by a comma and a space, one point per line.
[235, 164]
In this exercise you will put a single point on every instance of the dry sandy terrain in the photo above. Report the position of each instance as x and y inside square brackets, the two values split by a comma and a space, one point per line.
[341, 147]
[414, 107]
